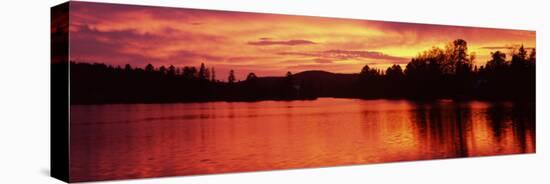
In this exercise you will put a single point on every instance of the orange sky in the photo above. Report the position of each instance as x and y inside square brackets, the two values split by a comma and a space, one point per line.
[267, 44]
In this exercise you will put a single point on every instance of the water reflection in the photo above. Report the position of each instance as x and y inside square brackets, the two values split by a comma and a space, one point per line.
[474, 128]
[129, 141]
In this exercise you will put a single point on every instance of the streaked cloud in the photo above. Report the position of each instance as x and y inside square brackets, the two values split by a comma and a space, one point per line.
[348, 54]
[265, 42]
[322, 61]
[504, 47]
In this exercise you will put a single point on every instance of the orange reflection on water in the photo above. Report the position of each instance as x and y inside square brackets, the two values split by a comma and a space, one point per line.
[149, 140]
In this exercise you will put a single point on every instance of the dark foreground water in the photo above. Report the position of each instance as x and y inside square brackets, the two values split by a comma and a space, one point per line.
[149, 140]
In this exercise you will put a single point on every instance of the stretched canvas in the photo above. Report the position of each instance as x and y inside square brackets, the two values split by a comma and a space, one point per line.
[141, 91]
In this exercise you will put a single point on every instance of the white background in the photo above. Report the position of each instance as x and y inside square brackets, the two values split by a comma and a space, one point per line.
[25, 95]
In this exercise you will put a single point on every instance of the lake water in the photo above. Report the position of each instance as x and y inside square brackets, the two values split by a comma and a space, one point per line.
[151, 140]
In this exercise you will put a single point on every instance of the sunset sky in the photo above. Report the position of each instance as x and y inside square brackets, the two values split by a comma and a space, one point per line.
[267, 44]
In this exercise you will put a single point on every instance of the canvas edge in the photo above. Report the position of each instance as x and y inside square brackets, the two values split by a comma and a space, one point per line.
[59, 99]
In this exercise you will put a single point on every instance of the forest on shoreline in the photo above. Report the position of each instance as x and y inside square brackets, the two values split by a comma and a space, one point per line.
[438, 73]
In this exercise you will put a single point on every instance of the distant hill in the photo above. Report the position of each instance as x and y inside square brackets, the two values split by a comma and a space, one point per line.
[325, 84]
[316, 75]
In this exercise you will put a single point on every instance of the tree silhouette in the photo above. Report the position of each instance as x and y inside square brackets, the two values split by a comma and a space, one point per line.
[519, 58]
[394, 72]
[369, 73]
[231, 78]
[497, 62]
[458, 61]
[202, 72]
[460, 49]
[149, 68]
[171, 70]
[189, 72]
[213, 74]
[162, 70]
[207, 74]
[127, 68]
[251, 77]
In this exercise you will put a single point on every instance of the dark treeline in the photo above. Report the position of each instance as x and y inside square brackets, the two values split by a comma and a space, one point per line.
[100, 83]
[447, 73]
